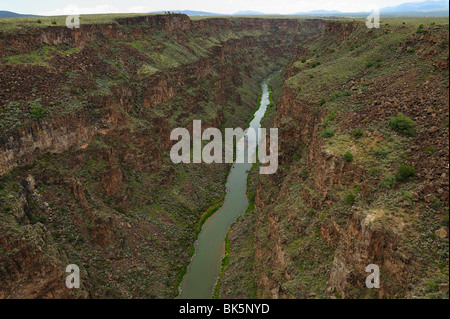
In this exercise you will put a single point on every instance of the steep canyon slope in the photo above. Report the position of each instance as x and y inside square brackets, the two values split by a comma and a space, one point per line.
[364, 178]
[85, 123]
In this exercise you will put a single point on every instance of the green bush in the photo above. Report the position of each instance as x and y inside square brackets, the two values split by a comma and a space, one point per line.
[347, 93]
[374, 171]
[11, 117]
[430, 149]
[420, 29]
[408, 196]
[402, 124]
[369, 64]
[435, 202]
[431, 286]
[303, 60]
[322, 101]
[358, 133]
[380, 153]
[37, 111]
[327, 133]
[405, 172]
[389, 181]
[350, 199]
[331, 117]
[348, 157]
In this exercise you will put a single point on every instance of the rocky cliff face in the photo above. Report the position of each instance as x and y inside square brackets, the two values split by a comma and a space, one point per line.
[85, 124]
[324, 217]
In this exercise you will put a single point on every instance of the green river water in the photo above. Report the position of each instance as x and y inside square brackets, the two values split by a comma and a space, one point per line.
[201, 275]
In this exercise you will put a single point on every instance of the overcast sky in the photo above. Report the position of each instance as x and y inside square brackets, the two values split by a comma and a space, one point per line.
[63, 7]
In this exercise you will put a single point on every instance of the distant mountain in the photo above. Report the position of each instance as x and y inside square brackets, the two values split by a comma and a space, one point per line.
[9, 14]
[319, 13]
[419, 6]
[324, 11]
[191, 13]
[438, 8]
[249, 13]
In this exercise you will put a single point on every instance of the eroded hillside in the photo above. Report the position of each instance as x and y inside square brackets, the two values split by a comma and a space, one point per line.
[364, 178]
[85, 122]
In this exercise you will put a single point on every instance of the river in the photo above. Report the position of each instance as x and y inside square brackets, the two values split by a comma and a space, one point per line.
[200, 278]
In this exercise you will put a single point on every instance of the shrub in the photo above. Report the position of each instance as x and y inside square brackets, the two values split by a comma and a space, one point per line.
[53, 22]
[303, 60]
[435, 202]
[322, 101]
[389, 181]
[335, 96]
[380, 153]
[327, 133]
[402, 124]
[347, 93]
[37, 111]
[420, 29]
[350, 199]
[405, 172]
[374, 171]
[331, 117]
[39, 21]
[348, 157]
[430, 149]
[431, 286]
[358, 133]
[446, 219]
[408, 196]
[369, 64]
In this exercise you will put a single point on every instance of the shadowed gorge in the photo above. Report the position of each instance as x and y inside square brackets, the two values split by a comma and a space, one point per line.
[86, 176]
[86, 120]
[364, 151]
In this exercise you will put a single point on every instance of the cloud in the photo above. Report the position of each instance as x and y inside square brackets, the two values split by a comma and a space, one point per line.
[75, 9]
[140, 9]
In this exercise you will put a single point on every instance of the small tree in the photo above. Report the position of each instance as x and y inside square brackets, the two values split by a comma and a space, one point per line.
[405, 172]
[389, 181]
[348, 157]
[327, 133]
[358, 133]
[402, 124]
[350, 199]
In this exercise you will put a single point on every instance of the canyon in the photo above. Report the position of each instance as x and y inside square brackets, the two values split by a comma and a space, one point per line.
[86, 177]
